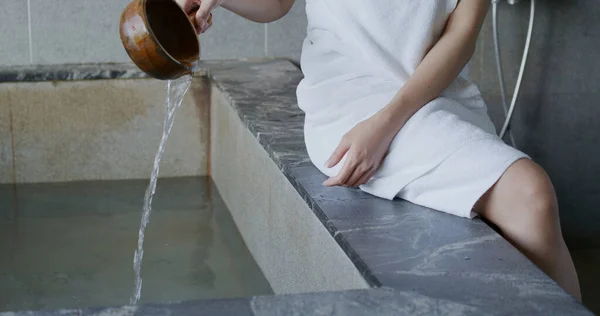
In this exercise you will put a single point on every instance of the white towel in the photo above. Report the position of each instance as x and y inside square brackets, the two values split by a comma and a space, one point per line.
[355, 58]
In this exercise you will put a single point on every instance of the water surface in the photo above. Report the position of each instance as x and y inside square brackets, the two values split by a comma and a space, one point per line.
[68, 245]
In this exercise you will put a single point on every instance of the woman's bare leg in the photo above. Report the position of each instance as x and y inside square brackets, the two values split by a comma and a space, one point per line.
[524, 207]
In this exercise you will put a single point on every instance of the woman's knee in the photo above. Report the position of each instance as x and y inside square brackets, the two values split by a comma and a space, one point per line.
[524, 193]
[532, 189]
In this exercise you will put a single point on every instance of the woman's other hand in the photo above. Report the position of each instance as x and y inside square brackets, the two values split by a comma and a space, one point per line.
[203, 15]
[365, 147]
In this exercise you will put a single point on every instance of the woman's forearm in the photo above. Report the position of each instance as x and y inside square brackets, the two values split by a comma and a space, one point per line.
[262, 11]
[442, 64]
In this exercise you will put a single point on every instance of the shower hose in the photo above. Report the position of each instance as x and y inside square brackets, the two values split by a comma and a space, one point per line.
[509, 110]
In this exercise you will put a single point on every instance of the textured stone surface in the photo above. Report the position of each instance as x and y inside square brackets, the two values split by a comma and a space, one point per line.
[69, 72]
[393, 243]
[14, 33]
[93, 130]
[348, 303]
[295, 252]
[81, 72]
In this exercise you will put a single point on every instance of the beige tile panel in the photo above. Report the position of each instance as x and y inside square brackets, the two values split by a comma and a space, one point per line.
[104, 129]
[289, 243]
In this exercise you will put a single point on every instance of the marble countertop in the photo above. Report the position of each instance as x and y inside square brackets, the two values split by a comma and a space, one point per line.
[417, 260]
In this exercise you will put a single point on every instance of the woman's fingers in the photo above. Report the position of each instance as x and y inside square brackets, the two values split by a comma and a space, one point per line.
[338, 154]
[358, 174]
[188, 7]
[342, 177]
[204, 11]
[366, 177]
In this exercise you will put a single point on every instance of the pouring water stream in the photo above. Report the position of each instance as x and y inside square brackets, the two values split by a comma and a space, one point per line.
[176, 90]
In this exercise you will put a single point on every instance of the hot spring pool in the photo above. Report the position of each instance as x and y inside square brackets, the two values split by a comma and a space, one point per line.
[70, 245]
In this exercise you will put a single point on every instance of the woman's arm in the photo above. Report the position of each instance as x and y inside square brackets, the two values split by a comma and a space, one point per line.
[366, 144]
[262, 11]
[443, 63]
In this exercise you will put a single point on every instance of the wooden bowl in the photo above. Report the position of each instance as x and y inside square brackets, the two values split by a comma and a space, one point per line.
[160, 38]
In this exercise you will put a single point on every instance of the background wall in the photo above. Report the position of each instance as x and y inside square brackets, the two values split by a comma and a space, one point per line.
[557, 120]
[87, 31]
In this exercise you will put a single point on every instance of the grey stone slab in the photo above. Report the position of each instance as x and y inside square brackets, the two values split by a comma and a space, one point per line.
[14, 33]
[229, 307]
[34, 73]
[350, 303]
[382, 301]
[67, 31]
[393, 242]
[70, 72]
[500, 297]
[232, 37]
[285, 37]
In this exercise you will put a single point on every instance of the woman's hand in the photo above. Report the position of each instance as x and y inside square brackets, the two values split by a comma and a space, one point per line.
[364, 146]
[203, 15]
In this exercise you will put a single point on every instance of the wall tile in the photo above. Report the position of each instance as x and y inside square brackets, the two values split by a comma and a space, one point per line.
[285, 37]
[14, 33]
[77, 31]
[232, 37]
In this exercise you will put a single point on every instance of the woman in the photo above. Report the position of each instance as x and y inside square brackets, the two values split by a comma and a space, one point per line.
[387, 111]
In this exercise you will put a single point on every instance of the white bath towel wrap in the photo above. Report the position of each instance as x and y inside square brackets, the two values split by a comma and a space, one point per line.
[355, 58]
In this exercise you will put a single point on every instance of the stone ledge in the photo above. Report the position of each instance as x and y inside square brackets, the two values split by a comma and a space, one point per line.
[394, 244]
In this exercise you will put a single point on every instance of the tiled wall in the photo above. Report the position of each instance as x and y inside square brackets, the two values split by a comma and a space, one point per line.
[87, 31]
